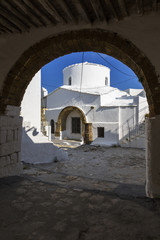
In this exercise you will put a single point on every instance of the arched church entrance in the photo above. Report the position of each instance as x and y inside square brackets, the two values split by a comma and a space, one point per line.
[72, 124]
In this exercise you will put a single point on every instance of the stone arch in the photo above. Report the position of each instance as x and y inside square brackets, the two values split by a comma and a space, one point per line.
[61, 122]
[96, 40]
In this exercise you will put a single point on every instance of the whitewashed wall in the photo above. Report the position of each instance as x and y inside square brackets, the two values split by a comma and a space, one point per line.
[127, 120]
[92, 75]
[133, 92]
[105, 114]
[142, 108]
[115, 96]
[36, 148]
[111, 133]
[63, 97]
[31, 103]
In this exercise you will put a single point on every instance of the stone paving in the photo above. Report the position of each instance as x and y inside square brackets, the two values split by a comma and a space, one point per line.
[48, 203]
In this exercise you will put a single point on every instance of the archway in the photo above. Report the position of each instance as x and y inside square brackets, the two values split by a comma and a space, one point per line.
[62, 118]
[97, 40]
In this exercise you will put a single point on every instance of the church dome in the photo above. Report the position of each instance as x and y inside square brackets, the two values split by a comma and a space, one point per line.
[86, 75]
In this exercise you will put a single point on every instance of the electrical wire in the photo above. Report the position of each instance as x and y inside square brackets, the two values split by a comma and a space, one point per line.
[49, 85]
[114, 66]
[119, 83]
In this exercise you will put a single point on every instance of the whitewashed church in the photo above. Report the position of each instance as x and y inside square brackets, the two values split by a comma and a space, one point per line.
[87, 108]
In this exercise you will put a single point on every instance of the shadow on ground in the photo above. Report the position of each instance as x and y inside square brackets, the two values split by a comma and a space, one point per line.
[52, 201]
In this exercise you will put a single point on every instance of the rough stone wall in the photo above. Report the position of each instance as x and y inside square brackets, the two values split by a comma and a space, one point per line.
[10, 142]
[153, 157]
[88, 133]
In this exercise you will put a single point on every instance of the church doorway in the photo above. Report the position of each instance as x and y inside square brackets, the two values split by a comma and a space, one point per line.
[72, 124]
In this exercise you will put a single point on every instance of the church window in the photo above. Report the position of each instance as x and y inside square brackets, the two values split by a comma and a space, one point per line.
[76, 125]
[52, 126]
[100, 131]
[106, 81]
[70, 81]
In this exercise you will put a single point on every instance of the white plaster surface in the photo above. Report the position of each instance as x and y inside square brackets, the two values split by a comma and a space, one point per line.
[134, 92]
[91, 72]
[111, 135]
[142, 108]
[31, 103]
[36, 148]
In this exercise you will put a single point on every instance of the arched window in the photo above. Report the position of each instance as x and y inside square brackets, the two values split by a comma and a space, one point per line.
[52, 126]
[106, 81]
[70, 81]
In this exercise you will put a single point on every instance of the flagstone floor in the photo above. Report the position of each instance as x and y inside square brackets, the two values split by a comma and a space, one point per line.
[98, 194]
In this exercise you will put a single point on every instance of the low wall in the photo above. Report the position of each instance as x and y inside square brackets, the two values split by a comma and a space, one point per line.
[10, 142]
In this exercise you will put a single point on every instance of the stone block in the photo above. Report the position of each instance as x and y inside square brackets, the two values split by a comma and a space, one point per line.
[2, 136]
[2, 162]
[6, 149]
[17, 121]
[18, 156]
[12, 110]
[9, 136]
[11, 170]
[8, 160]
[19, 133]
[13, 134]
[14, 158]
[3, 121]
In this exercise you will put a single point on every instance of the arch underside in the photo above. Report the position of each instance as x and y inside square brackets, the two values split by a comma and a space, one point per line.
[83, 40]
[70, 12]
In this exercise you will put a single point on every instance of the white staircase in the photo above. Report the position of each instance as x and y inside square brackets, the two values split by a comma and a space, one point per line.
[135, 137]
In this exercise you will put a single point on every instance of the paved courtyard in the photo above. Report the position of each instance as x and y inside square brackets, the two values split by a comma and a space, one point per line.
[98, 194]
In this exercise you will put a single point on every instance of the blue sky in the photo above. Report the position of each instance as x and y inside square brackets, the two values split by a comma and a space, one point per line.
[122, 76]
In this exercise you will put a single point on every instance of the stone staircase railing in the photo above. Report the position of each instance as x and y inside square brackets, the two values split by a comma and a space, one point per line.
[134, 133]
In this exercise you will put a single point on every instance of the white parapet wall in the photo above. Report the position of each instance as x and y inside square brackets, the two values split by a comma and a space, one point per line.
[31, 103]
[36, 148]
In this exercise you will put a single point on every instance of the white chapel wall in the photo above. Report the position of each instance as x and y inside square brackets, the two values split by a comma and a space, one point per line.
[65, 97]
[127, 120]
[31, 103]
[111, 133]
[142, 108]
[105, 114]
